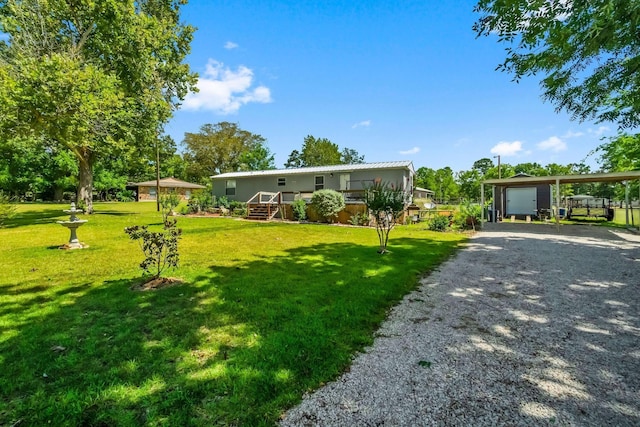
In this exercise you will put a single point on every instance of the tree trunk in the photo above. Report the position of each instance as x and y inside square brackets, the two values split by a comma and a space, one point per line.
[58, 193]
[85, 182]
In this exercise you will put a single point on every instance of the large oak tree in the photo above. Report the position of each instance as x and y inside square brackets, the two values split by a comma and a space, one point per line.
[96, 77]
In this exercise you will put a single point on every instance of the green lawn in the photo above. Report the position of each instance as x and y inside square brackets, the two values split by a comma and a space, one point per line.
[268, 312]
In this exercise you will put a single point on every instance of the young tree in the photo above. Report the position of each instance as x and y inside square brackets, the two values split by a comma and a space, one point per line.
[94, 77]
[386, 204]
[587, 52]
[224, 147]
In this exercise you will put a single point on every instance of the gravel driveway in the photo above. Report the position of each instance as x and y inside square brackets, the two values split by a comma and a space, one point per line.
[527, 325]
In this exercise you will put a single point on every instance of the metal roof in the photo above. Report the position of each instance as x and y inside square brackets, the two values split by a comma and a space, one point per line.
[565, 179]
[168, 183]
[424, 190]
[404, 164]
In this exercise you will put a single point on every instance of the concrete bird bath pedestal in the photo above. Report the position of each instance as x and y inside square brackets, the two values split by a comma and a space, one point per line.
[72, 224]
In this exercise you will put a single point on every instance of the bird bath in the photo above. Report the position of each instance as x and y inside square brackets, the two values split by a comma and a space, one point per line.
[72, 224]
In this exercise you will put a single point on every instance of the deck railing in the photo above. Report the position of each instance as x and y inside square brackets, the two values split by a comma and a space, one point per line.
[271, 200]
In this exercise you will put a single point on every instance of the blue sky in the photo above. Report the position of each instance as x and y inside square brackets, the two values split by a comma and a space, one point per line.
[403, 80]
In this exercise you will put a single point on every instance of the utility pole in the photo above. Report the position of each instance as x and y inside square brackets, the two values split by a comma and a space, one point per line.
[499, 171]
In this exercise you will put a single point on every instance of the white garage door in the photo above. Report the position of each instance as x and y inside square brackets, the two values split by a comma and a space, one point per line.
[521, 201]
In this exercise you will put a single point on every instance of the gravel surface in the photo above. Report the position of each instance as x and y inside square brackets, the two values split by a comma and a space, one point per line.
[528, 325]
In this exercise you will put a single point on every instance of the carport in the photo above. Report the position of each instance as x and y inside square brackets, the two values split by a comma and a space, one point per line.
[528, 181]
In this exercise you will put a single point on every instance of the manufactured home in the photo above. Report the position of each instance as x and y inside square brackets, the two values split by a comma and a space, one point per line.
[283, 186]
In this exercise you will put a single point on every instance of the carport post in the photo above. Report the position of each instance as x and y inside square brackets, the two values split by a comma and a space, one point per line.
[626, 201]
[482, 203]
[558, 203]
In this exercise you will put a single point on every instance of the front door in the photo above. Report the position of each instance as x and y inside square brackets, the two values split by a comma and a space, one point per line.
[345, 178]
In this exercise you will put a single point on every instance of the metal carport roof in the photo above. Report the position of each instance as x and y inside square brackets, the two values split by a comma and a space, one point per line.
[557, 180]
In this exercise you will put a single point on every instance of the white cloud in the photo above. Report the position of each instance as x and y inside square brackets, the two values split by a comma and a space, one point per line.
[553, 143]
[413, 150]
[364, 123]
[571, 134]
[504, 148]
[599, 131]
[230, 45]
[224, 90]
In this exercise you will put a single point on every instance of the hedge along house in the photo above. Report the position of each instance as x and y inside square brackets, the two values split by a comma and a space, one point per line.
[146, 191]
[274, 189]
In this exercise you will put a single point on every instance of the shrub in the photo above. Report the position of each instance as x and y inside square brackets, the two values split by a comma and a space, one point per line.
[223, 202]
[299, 209]
[359, 219]
[468, 217]
[237, 208]
[159, 247]
[327, 203]
[125, 196]
[200, 201]
[438, 223]
[7, 209]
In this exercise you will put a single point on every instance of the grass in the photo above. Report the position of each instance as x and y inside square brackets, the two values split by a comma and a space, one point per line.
[268, 312]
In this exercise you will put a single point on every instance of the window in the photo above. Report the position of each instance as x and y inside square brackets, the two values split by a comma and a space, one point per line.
[187, 194]
[152, 193]
[282, 182]
[319, 182]
[231, 187]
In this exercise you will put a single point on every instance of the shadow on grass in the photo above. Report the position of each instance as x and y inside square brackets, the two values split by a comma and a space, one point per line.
[236, 346]
[35, 217]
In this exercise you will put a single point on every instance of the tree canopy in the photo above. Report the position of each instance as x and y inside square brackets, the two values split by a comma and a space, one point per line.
[322, 152]
[224, 147]
[588, 53]
[92, 77]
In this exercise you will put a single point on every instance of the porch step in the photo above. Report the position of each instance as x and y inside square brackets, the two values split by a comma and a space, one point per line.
[262, 211]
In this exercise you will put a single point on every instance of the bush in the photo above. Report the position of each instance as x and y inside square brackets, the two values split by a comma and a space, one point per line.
[438, 223]
[327, 203]
[359, 219]
[7, 210]
[200, 201]
[299, 209]
[237, 208]
[223, 202]
[125, 196]
[468, 217]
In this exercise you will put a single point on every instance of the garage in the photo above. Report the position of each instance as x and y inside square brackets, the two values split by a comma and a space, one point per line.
[522, 201]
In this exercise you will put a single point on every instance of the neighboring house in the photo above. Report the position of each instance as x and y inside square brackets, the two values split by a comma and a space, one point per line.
[422, 193]
[297, 183]
[146, 191]
[522, 199]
